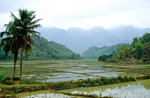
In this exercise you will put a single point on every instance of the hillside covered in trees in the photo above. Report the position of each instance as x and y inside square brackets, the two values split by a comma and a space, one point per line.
[44, 49]
[94, 52]
[138, 50]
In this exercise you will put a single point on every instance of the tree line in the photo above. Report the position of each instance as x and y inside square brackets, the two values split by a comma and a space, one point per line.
[139, 49]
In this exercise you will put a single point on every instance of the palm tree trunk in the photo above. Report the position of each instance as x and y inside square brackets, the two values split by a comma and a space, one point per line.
[15, 61]
[14, 66]
[21, 63]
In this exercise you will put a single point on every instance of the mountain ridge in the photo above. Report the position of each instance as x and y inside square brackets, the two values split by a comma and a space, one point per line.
[94, 52]
[44, 49]
[79, 40]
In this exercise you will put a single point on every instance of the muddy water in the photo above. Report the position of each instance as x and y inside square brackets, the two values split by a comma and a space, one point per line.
[74, 73]
[139, 89]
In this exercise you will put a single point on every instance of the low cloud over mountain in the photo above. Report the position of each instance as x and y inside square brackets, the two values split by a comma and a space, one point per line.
[80, 40]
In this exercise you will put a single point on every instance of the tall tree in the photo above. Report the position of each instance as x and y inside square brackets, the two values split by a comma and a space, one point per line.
[25, 25]
[10, 42]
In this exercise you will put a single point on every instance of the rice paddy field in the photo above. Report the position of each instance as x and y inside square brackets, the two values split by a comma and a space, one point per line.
[46, 71]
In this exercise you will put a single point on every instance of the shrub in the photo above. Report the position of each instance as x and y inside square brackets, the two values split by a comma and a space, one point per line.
[2, 77]
[16, 78]
[7, 78]
[26, 81]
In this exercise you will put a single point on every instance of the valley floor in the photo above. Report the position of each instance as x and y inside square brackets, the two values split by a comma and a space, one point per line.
[63, 70]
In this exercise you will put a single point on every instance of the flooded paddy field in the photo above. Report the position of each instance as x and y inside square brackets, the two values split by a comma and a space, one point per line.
[74, 73]
[64, 70]
[138, 89]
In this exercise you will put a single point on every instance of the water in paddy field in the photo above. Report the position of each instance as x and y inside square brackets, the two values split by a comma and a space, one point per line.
[139, 89]
[74, 73]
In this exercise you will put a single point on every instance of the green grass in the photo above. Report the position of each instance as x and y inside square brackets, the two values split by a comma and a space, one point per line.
[146, 66]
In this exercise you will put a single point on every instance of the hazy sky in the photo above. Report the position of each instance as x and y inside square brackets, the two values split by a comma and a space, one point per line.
[81, 13]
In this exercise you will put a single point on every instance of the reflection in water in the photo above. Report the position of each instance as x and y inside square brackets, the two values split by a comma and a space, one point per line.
[132, 90]
[139, 89]
[48, 96]
[74, 73]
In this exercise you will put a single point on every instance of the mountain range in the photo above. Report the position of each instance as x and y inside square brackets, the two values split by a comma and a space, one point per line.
[79, 40]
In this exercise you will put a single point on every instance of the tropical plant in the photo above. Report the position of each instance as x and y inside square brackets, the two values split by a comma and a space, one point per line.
[10, 42]
[18, 35]
[25, 25]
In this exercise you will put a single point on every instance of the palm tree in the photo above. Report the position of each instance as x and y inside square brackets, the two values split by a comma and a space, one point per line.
[25, 25]
[10, 42]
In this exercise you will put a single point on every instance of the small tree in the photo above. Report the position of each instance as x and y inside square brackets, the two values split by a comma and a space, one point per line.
[139, 50]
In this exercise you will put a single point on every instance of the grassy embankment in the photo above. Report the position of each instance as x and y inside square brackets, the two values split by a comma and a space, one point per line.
[18, 88]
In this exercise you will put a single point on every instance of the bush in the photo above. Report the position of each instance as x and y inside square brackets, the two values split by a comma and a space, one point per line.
[7, 78]
[16, 78]
[26, 81]
[2, 77]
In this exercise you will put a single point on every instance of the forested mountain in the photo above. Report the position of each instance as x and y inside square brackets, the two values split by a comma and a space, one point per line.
[138, 49]
[79, 40]
[44, 49]
[95, 52]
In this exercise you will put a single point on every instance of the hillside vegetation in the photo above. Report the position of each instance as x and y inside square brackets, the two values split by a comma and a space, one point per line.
[44, 49]
[137, 51]
[95, 52]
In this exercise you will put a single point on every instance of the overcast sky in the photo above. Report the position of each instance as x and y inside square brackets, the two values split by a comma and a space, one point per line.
[81, 13]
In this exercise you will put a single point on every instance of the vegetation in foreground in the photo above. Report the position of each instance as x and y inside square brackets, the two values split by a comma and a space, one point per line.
[29, 85]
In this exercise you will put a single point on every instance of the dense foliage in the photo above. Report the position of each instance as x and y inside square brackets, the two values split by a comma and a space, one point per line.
[105, 57]
[52, 50]
[139, 49]
[95, 52]
[43, 49]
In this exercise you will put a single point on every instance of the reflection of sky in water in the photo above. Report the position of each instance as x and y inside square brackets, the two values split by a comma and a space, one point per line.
[108, 74]
[130, 91]
[87, 71]
[46, 95]
[74, 73]
[67, 77]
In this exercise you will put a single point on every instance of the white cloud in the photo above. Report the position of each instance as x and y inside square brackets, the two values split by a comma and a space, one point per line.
[4, 19]
[87, 13]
